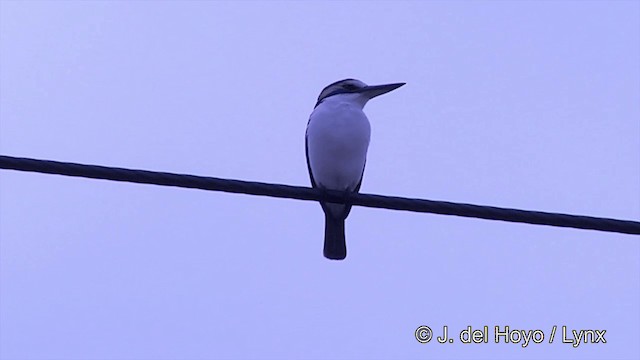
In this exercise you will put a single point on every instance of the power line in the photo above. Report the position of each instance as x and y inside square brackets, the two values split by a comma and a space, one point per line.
[305, 193]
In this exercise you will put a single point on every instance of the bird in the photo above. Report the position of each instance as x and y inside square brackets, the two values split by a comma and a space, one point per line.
[336, 143]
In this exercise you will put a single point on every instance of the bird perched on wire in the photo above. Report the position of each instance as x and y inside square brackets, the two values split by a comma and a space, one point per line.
[336, 142]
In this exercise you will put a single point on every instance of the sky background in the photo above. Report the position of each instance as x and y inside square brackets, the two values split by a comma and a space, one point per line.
[531, 105]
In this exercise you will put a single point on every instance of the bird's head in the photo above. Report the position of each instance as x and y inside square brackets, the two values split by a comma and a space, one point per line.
[355, 90]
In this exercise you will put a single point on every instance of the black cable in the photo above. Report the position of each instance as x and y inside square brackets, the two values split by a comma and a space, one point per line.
[304, 193]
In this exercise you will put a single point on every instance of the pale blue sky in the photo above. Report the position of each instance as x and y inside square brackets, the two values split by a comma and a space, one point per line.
[531, 105]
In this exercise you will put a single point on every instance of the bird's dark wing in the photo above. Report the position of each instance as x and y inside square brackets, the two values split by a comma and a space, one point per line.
[347, 210]
[357, 189]
[306, 151]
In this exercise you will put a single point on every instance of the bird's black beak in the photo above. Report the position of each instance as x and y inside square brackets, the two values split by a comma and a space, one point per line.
[377, 90]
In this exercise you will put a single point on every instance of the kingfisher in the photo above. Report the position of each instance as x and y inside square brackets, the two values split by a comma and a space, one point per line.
[336, 143]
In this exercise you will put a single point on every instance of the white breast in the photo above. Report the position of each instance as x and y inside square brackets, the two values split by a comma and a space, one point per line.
[337, 139]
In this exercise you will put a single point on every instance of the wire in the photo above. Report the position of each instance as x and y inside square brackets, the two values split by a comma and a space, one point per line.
[305, 193]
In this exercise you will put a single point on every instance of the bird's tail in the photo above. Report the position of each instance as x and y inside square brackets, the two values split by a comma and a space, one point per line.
[335, 247]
